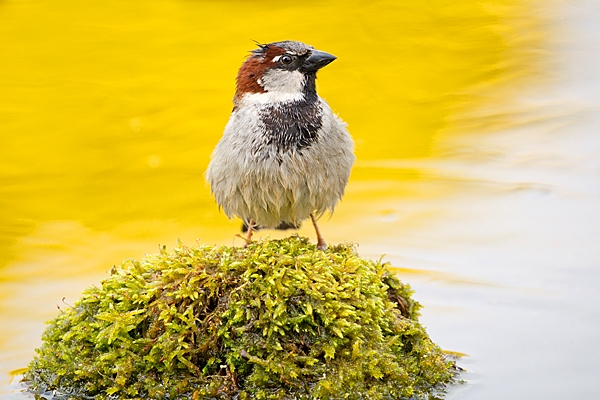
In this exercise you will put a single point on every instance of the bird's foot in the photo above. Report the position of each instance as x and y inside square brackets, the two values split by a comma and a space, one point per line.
[248, 237]
[246, 241]
[321, 245]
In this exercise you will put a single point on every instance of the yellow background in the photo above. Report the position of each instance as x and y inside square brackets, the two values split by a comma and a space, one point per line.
[109, 110]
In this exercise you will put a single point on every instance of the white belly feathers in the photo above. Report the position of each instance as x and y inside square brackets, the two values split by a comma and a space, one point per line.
[254, 180]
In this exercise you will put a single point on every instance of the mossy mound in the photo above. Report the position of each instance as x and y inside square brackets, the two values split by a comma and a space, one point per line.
[278, 320]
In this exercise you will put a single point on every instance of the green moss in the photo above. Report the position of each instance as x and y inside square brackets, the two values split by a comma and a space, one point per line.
[278, 320]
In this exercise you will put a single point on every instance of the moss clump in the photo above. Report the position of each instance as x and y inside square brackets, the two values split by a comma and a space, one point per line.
[278, 320]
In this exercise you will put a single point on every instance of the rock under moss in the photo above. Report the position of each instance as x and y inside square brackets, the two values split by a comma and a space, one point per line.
[278, 320]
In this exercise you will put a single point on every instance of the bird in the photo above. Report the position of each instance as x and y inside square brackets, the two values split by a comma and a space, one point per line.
[284, 156]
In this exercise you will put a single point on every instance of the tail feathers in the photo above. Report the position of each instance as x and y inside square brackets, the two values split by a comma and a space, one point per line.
[282, 226]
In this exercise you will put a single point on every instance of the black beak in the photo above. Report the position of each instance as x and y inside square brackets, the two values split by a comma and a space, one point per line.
[317, 60]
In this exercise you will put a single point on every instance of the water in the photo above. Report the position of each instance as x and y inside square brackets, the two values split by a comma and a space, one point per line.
[477, 175]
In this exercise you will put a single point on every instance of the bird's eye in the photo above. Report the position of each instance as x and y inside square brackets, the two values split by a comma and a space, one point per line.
[286, 60]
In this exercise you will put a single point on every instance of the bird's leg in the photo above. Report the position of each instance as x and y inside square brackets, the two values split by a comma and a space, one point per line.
[249, 233]
[321, 245]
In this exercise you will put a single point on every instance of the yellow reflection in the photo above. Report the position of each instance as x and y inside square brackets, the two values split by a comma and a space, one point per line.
[109, 111]
[17, 372]
[438, 276]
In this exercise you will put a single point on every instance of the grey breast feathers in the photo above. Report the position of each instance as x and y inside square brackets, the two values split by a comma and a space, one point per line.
[274, 171]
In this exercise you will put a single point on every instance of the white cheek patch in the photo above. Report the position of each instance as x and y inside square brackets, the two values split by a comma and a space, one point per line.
[280, 80]
[270, 97]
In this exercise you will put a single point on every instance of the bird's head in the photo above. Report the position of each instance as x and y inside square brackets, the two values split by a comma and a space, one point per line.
[280, 72]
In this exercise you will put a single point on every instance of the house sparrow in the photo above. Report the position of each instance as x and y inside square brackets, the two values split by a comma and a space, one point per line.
[284, 156]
